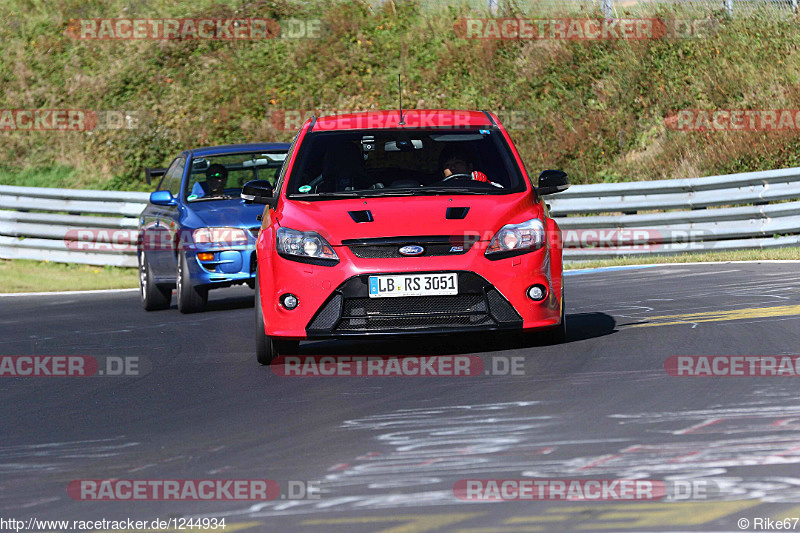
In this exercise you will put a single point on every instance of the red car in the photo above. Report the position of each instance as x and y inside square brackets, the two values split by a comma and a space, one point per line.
[420, 222]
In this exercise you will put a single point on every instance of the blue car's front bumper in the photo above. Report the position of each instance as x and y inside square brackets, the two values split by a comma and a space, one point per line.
[229, 266]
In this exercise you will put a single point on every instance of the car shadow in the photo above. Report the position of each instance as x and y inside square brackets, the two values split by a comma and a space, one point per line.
[580, 326]
[219, 300]
[584, 326]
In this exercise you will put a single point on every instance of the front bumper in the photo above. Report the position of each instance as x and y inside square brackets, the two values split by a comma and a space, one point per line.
[227, 267]
[350, 311]
[334, 300]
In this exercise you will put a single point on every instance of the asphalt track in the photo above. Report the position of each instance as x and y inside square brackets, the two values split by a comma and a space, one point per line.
[387, 451]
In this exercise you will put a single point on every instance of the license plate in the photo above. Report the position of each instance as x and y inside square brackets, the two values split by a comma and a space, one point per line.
[413, 285]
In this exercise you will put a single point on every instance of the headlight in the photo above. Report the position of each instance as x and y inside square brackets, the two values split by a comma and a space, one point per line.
[304, 244]
[527, 236]
[219, 236]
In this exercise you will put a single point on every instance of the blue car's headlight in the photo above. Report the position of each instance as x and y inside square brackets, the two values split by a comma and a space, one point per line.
[225, 236]
[304, 245]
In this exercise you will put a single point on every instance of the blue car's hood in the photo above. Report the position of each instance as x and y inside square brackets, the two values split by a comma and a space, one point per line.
[233, 213]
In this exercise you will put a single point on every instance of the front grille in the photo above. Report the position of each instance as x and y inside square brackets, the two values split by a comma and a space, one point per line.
[350, 310]
[415, 305]
[417, 323]
[387, 248]
[328, 316]
[499, 306]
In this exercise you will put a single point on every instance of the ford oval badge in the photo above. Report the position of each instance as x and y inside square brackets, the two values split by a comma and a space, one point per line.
[412, 249]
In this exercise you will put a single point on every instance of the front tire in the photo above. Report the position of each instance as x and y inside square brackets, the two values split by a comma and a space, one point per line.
[190, 298]
[154, 297]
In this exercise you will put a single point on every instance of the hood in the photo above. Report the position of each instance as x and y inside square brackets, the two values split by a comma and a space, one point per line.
[404, 216]
[233, 213]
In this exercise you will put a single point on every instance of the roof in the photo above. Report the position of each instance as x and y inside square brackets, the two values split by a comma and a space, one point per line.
[412, 118]
[237, 148]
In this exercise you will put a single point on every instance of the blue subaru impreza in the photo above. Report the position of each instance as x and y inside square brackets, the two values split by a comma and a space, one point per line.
[196, 233]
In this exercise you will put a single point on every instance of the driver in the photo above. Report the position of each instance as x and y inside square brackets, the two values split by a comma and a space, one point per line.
[455, 161]
[216, 178]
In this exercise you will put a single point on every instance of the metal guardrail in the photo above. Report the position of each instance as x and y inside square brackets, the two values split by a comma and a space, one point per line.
[739, 211]
[717, 213]
[44, 224]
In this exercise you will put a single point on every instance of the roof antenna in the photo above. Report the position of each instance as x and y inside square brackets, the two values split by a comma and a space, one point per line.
[400, 92]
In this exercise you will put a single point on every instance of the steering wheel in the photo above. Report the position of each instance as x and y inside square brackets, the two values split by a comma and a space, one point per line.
[456, 176]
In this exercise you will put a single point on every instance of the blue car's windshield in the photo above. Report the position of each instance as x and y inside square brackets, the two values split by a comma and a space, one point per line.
[221, 177]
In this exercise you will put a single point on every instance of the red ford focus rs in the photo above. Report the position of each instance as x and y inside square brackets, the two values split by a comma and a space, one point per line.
[420, 222]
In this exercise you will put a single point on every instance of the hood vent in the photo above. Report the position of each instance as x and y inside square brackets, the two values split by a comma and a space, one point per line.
[361, 216]
[456, 213]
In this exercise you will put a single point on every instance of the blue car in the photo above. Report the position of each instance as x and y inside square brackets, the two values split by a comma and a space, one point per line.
[196, 233]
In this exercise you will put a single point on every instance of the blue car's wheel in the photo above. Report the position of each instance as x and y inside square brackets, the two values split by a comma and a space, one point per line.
[190, 298]
[153, 296]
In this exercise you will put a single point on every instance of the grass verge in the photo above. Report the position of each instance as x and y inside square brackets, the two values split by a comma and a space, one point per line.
[734, 255]
[43, 276]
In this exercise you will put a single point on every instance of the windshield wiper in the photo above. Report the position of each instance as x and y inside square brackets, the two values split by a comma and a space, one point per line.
[208, 198]
[452, 190]
[327, 194]
[389, 192]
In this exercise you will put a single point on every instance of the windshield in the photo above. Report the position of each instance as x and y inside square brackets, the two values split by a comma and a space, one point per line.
[401, 162]
[221, 177]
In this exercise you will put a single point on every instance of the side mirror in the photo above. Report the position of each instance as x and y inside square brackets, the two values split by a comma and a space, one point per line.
[551, 182]
[258, 192]
[162, 198]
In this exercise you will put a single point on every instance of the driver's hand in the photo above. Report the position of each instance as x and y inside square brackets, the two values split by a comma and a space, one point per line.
[480, 176]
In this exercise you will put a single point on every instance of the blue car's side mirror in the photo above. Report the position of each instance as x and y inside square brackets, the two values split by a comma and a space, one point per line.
[162, 198]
